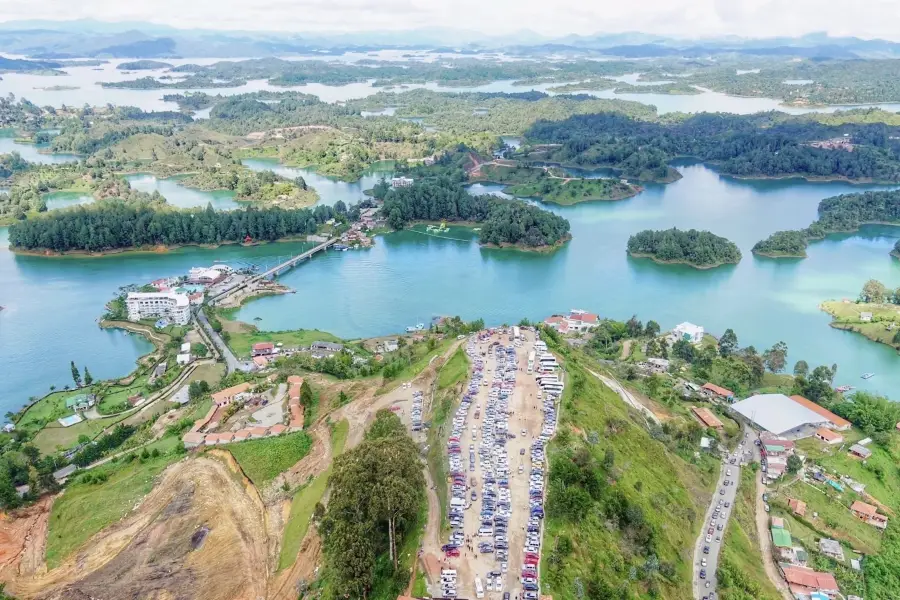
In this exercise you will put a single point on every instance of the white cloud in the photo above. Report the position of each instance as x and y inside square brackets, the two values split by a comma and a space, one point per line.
[685, 18]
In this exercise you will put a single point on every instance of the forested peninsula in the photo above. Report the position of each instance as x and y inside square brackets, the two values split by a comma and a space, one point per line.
[839, 214]
[896, 250]
[113, 225]
[502, 223]
[699, 249]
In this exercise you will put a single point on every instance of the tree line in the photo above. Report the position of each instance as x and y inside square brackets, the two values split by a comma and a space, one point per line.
[745, 145]
[502, 222]
[697, 248]
[845, 213]
[112, 224]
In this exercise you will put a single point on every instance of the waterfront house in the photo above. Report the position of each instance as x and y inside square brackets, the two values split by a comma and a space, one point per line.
[860, 451]
[868, 514]
[828, 436]
[713, 390]
[81, 402]
[325, 349]
[688, 332]
[391, 345]
[401, 182]
[168, 305]
[263, 349]
[235, 393]
[9, 428]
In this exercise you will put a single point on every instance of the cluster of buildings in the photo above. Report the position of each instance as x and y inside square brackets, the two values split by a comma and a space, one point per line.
[577, 321]
[203, 433]
[839, 143]
[793, 417]
[401, 182]
[264, 352]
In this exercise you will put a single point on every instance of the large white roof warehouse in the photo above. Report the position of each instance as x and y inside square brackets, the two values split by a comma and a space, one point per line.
[778, 413]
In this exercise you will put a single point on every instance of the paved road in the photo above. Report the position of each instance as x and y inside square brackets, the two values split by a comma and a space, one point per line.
[724, 494]
[231, 362]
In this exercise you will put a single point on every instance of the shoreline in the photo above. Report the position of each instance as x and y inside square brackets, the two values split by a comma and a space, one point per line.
[855, 327]
[44, 253]
[635, 189]
[777, 256]
[679, 262]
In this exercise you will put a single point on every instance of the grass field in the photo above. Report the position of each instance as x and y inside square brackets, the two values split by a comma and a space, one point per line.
[450, 379]
[573, 191]
[46, 410]
[418, 364]
[305, 500]
[663, 493]
[741, 568]
[263, 459]
[242, 343]
[49, 438]
[834, 517]
[86, 509]
[846, 316]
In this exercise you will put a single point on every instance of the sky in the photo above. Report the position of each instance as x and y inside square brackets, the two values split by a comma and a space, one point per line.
[680, 18]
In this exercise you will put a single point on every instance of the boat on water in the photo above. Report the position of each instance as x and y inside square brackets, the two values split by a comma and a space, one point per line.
[868, 375]
[843, 388]
[416, 327]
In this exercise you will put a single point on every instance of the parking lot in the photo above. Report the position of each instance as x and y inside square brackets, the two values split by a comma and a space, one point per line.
[496, 465]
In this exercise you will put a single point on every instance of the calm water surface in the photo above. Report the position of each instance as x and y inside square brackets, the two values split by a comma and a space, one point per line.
[330, 189]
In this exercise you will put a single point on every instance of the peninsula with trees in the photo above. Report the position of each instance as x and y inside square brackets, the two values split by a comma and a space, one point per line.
[875, 314]
[698, 249]
[838, 214]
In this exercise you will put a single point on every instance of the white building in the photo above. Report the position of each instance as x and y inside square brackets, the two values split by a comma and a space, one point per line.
[398, 182]
[175, 307]
[688, 332]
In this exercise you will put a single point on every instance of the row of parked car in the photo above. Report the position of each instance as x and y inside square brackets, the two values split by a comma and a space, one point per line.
[529, 575]
[415, 412]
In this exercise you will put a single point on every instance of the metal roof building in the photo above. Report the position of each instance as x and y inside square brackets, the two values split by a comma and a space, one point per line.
[778, 413]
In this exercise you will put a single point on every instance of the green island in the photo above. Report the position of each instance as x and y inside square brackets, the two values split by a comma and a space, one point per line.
[698, 249]
[896, 251]
[143, 65]
[573, 191]
[875, 314]
[839, 214]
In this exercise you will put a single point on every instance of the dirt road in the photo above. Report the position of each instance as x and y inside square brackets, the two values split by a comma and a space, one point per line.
[765, 542]
[626, 396]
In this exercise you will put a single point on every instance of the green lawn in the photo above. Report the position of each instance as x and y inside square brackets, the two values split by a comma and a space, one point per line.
[304, 502]
[664, 494]
[454, 370]
[834, 517]
[242, 343]
[846, 316]
[86, 509]
[741, 566]
[264, 459]
[48, 438]
[46, 410]
[422, 360]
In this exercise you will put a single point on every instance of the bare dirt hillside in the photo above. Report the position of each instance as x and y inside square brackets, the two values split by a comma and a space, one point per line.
[199, 535]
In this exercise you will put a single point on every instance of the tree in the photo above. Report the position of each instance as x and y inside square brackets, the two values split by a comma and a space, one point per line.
[386, 425]
[343, 398]
[684, 350]
[635, 327]
[88, 378]
[306, 394]
[76, 376]
[651, 329]
[728, 343]
[775, 357]
[794, 464]
[197, 389]
[801, 368]
[873, 291]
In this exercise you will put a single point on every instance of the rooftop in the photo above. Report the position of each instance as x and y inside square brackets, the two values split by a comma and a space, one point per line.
[180, 299]
[777, 413]
[810, 578]
[833, 418]
[860, 450]
[230, 392]
[718, 390]
[781, 538]
[864, 508]
[828, 435]
[707, 417]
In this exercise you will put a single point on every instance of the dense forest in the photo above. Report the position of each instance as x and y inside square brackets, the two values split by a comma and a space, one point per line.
[763, 144]
[502, 222]
[696, 248]
[837, 214]
[112, 224]
[782, 243]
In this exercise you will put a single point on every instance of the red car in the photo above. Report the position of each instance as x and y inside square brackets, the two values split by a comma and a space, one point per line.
[453, 552]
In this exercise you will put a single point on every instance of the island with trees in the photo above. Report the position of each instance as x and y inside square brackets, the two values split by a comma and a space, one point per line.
[143, 65]
[568, 191]
[502, 223]
[698, 249]
[782, 244]
[896, 251]
[838, 214]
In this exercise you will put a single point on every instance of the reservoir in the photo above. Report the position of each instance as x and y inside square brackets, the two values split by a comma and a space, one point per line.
[51, 305]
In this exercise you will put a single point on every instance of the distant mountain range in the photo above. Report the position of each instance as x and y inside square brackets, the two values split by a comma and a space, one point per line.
[54, 40]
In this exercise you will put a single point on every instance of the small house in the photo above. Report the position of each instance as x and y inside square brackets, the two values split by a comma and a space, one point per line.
[183, 359]
[391, 345]
[9, 428]
[688, 332]
[62, 474]
[831, 548]
[232, 394]
[797, 506]
[828, 436]
[263, 349]
[706, 417]
[719, 392]
[869, 514]
[865, 317]
[277, 429]
[80, 402]
[860, 451]
[185, 348]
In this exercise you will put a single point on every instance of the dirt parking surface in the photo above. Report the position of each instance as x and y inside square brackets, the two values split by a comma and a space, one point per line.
[525, 415]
